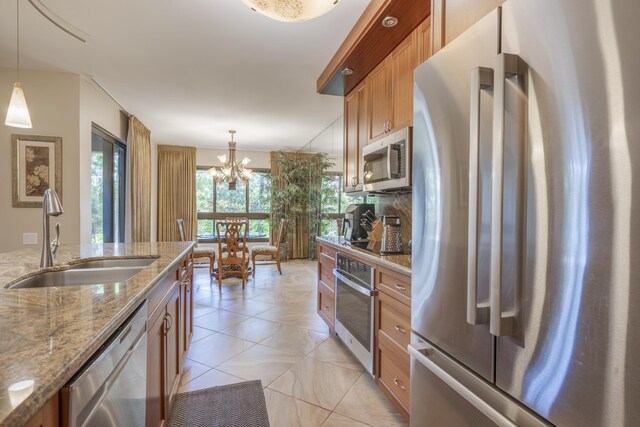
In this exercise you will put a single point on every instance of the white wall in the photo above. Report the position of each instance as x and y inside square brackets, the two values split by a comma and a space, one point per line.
[52, 98]
[95, 107]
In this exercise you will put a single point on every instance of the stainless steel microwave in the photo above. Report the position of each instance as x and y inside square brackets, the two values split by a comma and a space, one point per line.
[387, 163]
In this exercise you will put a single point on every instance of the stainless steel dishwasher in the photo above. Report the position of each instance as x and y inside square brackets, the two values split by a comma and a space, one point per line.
[111, 389]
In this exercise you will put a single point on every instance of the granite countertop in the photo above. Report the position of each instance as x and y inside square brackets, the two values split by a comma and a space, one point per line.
[47, 334]
[400, 263]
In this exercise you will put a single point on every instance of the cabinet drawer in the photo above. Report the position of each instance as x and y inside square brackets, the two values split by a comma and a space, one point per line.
[395, 320]
[325, 275]
[394, 369]
[327, 302]
[327, 253]
[394, 284]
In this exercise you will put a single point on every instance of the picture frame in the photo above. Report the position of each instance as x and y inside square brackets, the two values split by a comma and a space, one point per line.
[36, 166]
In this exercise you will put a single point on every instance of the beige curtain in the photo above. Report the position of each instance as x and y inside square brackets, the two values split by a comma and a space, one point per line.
[139, 186]
[298, 236]
[176, 191]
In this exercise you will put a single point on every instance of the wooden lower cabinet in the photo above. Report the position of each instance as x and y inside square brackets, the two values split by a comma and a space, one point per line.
[174, 347]
[168, 340]
[156, 355]
[393, 334]
[47, 416]
[326, 299]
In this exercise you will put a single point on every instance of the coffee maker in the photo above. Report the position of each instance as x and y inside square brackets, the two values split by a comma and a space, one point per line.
[353, 229]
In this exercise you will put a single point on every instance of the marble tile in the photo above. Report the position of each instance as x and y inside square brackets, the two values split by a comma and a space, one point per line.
[199, 333]
[211, 378]
[259, 363]
[316, 382]
[302, 317]
[334, 351]
[191, 370]
[294, 340]
[252, 329]
[366, 403]
[248, 307]
[201, 310]
[337, 420]
[219, 319]
[217, 348]
[287, 411]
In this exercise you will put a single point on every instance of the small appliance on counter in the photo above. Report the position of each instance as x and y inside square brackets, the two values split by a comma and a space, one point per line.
[391, 235]
[357, 220]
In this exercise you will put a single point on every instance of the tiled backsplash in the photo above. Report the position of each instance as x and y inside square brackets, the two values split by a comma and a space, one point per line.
[395, 204]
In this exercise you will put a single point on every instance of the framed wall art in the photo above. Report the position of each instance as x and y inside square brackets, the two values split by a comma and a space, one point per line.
[36, 166]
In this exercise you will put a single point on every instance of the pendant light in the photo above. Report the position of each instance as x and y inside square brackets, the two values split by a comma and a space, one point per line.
[18, 112]
[291, 10]
[231, 170]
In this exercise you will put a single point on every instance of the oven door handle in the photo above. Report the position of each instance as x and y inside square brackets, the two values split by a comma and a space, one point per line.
[353, 285]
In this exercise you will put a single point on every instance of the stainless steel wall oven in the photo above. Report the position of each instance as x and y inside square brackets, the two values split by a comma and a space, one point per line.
[355, 307]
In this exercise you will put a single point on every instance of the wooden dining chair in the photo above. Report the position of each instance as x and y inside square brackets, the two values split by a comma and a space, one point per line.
[272, 250]
[234, 259]
[198, 252]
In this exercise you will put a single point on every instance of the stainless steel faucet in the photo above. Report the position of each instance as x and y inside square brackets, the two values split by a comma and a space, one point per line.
[51, 206]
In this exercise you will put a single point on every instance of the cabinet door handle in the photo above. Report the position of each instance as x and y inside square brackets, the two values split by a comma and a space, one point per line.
[168, 319]
[400, 288]
[385, 127]
[399, 329]
[389, 126]
[399, 384]
[327, 307]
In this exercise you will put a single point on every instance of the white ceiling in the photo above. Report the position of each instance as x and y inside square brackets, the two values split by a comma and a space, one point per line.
[192, 69]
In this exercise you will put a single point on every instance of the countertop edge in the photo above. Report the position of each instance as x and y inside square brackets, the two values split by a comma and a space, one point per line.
[34, 403]
[362, 254]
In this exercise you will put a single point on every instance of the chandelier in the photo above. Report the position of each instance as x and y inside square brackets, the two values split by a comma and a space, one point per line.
[291, 10]
[231, 170]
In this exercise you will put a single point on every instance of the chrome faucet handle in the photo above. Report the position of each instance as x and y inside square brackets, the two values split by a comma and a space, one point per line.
[55, 243]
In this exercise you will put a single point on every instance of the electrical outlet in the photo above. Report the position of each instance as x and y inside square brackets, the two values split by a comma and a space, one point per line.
[29, 238]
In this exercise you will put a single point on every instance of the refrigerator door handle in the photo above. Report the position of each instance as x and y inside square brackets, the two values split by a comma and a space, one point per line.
[507, 65]
[481, 79]
[420, 352]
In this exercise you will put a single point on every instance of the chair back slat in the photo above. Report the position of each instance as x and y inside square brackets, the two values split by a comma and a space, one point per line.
[181, 233]
[233, 234]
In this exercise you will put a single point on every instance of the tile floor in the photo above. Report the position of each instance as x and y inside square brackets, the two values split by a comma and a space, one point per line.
[271, 332]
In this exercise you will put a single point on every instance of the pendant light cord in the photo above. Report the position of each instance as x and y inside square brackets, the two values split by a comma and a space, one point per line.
[18, 38]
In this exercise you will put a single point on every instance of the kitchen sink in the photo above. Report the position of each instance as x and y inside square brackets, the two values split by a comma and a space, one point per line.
[78, 277]
[113, 263]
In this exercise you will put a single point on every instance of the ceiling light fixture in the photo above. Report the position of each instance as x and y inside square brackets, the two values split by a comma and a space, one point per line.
[18, 112]
[231, 170]
[346, 71]
[390, 21]
[291, 10]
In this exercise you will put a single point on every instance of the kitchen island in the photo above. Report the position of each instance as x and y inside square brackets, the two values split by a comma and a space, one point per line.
[48, 334]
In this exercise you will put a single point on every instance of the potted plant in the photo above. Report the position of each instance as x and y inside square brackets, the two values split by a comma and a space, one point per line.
[296, 195]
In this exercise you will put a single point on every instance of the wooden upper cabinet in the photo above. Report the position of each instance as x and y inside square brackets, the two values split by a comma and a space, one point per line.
[379, 85]
[391, 89]
[403, 61]
[355, 120]
[424, 40]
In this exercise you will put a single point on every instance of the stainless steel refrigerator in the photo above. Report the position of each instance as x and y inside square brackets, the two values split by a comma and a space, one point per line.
[526, 257]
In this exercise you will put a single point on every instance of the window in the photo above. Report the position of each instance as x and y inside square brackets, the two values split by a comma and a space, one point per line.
[251, 200]
[334, 204]
[108, 172]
